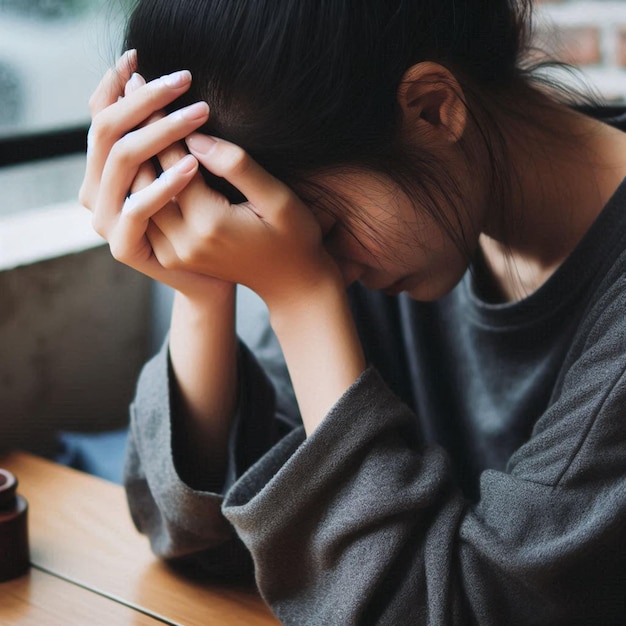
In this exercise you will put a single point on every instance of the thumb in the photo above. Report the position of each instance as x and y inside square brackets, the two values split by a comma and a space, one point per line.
[234, 164]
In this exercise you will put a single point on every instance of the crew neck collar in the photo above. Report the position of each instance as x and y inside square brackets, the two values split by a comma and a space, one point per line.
[599, 247]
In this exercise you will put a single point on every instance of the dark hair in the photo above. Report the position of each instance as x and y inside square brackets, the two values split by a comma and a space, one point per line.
[311, 85]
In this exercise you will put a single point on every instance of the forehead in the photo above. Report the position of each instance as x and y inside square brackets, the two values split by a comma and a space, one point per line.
[347, 191]
[369, 214]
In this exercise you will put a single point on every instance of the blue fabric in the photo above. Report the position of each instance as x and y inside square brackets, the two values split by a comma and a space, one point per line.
[100, 454]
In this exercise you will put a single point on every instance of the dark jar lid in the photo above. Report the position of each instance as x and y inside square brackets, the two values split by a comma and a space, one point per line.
[14, 550]
[8, 489]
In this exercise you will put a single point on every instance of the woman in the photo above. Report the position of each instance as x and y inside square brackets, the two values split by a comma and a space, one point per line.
[457, 453]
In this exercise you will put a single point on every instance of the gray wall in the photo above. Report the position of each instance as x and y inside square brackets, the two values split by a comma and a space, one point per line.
[74, 332]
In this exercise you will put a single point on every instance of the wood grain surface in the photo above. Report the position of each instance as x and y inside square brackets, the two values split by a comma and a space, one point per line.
[80, 529]
[42, 599]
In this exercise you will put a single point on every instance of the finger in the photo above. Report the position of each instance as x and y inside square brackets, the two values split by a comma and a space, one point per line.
[135, 82]
[145, 176]
[125, 114]
[231, 162]
[155, 167]
[126, 156]
[141, 145]
[165, 265]
[162, 248]
[197, 191]
[118, 119]
[172, 154]
[140, 104]
[147, 201]
[147, 172]
[148, 263]
[111, 87]
[130, 224]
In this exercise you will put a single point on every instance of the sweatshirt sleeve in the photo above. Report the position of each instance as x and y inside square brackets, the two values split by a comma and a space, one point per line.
[360, 524]
[185, 524]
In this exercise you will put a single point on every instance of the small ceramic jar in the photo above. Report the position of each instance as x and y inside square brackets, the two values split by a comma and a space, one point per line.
[14, 552]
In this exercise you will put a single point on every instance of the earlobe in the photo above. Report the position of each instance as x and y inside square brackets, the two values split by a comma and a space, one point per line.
[432, 104]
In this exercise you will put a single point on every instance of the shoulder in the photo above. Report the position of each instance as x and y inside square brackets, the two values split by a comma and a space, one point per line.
[583, 429]
[604, 320]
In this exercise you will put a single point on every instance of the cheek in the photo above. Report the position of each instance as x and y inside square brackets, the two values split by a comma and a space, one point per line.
[390, 246]
[388, 237]
[439, 274]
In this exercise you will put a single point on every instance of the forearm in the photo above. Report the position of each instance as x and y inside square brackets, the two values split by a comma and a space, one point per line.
[371, 509]
[321, 348]
[203, 350]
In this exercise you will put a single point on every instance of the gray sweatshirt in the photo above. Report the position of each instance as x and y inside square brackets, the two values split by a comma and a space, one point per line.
[474, 474]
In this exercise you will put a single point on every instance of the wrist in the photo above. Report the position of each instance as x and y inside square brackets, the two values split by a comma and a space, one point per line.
[321, 346]
[326, 291]
[203, 348]
[206, 298]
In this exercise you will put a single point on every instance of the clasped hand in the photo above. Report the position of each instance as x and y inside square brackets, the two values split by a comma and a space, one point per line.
[172, 226]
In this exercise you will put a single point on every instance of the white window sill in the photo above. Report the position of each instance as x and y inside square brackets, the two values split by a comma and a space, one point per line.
[74, 328]
[45, 233]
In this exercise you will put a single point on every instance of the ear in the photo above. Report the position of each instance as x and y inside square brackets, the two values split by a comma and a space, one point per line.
[432, 104]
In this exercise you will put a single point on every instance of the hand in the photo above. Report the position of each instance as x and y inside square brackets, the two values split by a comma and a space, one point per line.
[120, 185]
[272, 243]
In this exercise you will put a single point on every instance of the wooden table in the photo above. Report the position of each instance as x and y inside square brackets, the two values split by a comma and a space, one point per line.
[90, 565]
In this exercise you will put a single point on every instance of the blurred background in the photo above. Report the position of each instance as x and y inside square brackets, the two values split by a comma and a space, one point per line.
[75, 326]
[52, 54]
[590, 34]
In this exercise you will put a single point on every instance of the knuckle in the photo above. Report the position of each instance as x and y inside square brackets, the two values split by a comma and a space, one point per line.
[95, 101]
[236, 160]
[132, 213]
[84, 197]
[156, 93]
[167, 259]
[97, 224]
[210, 233]
[99, 131]
[123, 151]
[283, 199]
[116, 251]
[188, 255]
[284, 213]
[171, 156]
[119, 251]
[92, 104]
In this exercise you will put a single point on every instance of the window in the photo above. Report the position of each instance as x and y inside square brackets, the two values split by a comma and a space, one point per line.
[52, 55]
[590, 34]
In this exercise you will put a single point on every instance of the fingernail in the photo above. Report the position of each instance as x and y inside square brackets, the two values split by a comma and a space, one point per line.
[202, 144]
[129, 57]
[195, 111]
[129, 54]
[134, 83]
[177, 79]
[185, 165]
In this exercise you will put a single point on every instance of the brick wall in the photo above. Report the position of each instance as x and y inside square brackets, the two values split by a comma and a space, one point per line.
[590, 34]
